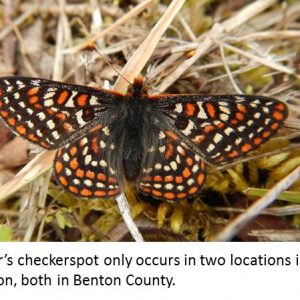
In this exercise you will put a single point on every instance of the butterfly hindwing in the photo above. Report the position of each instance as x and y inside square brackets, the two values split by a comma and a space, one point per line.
[51, 113]
[171, 171]
[83, 166]
[223, 127]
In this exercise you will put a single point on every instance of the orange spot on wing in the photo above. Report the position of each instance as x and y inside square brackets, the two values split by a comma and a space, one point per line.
[257, 141]
[62, 97]
[32, 91]
[58, 167]
[202, 165]
[100, 193]
[199, 139]
[280, 106]
[189, 161]
[181, 195]
[50, 111]
[85, 193]
[61, 116]
[211, 110]
[171, 135]
[234, 121]
[186, 173]
[73, 150]
[278, 115]
[33, 99]
[74, 163]
[82, 100]
[101, 177]
[45, 145]
[96, 128]
[233, 154]
[241, 108]
[156, 193]
[169, 195]
[189, 109]
[11, 122]
[169, 178]
[170, 150]
[38, 106]
[113, 192]
[79, 173]
[21, 129]
[90, 174]
[221, 125]
[209, 128]
[178, 179]
[239, 116]
[63, 181]
[145, 189]
[147, 178]
[192, 190]
[266, 134]
[246, 148]
[73, 189]
[112, 180]
[4, 114]
[95, 145]
[200, 179]
[274, 126]
[157, 178]
[68, 127]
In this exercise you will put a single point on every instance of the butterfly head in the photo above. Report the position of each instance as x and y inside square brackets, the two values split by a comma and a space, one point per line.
[137, 89]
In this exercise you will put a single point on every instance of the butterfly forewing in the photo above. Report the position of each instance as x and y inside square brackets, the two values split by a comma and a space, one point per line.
[171, 170]
[51, 113]
[83, 166]
[223, 127]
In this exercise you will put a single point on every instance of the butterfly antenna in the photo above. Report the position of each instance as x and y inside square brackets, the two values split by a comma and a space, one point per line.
[93, 45]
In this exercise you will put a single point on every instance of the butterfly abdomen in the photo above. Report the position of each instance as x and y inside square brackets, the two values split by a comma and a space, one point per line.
[132, 148]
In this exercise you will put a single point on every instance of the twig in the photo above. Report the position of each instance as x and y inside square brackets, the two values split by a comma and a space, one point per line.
[255, 209]
[125, 212]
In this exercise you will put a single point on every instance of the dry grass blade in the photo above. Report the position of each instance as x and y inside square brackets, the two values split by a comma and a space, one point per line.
[207, 41]
[255, 209]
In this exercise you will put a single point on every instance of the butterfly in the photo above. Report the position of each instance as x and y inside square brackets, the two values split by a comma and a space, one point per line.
[162, 142]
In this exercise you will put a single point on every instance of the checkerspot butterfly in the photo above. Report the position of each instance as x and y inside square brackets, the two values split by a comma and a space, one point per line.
[161, 142]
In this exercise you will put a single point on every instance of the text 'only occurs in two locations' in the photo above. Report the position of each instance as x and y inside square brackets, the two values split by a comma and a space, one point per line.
[123, 270]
